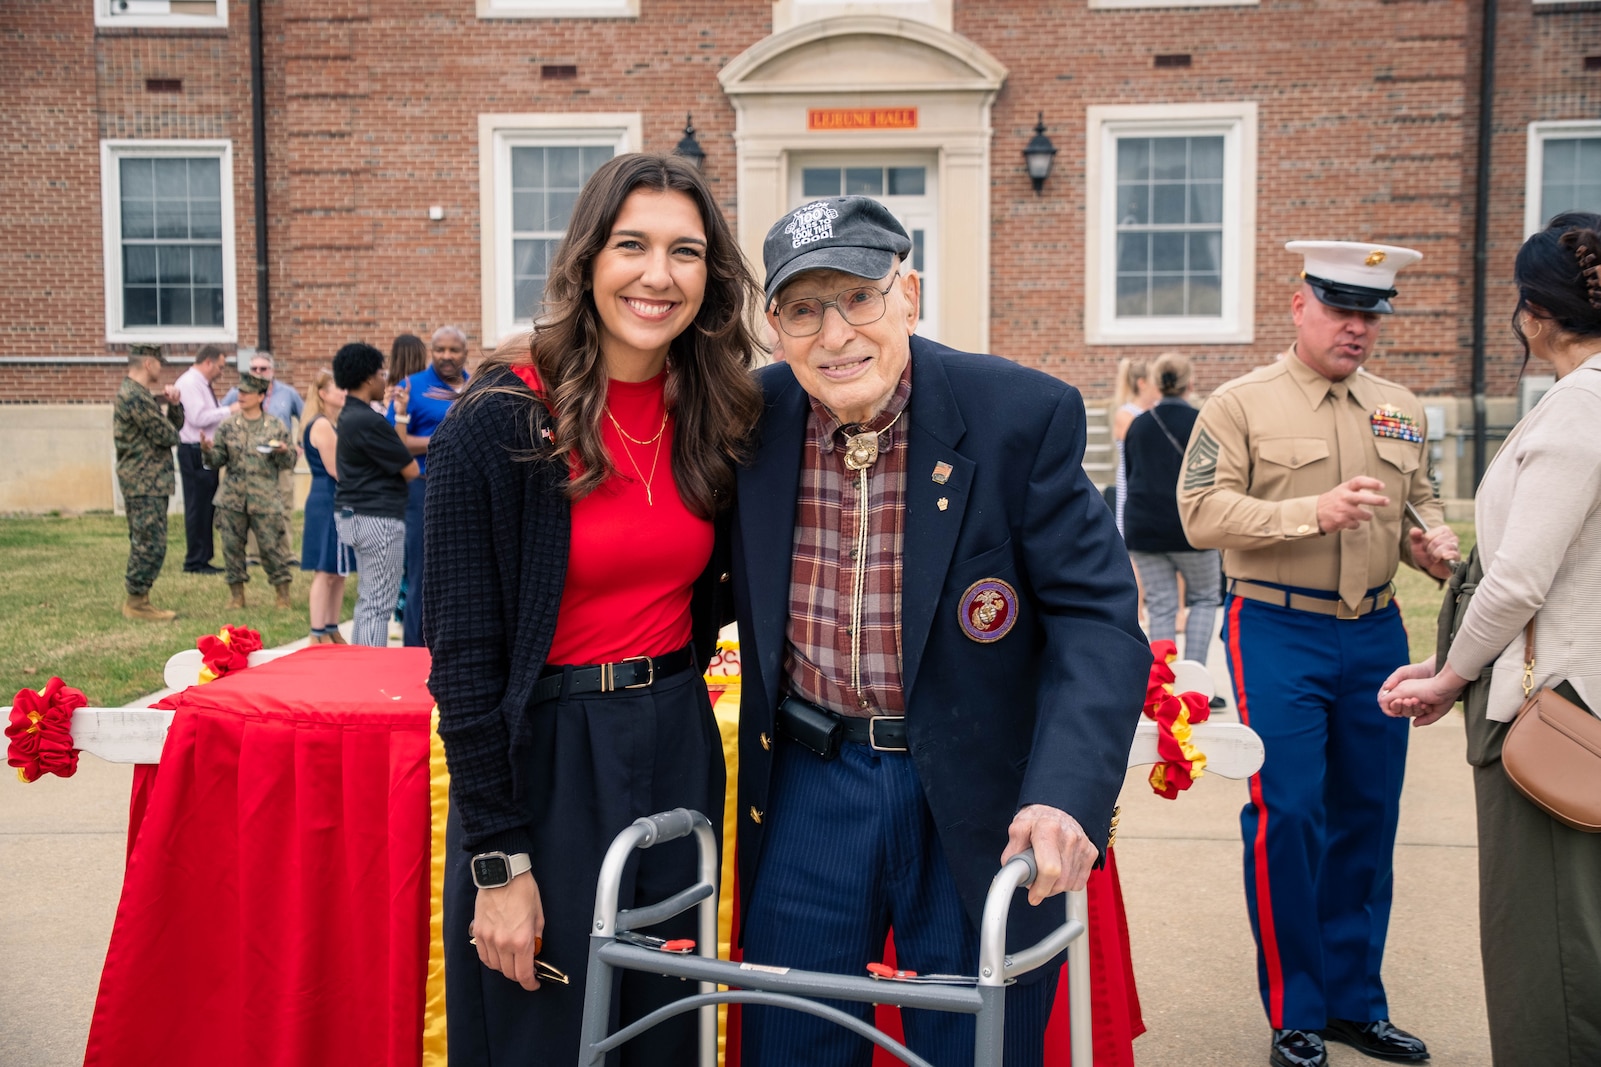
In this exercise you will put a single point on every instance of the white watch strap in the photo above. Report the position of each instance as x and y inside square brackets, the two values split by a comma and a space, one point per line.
[521, 863]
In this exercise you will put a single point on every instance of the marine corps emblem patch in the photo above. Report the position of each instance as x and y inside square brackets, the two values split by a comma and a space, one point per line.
[988, 610]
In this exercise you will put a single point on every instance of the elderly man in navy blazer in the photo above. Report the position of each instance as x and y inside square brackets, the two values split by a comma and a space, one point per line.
[943, 662]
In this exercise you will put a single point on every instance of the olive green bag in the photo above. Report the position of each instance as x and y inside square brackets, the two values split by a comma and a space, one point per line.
[1484, 736]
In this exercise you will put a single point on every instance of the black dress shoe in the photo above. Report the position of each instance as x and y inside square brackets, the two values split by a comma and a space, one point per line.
[204, 568]
[1380, 1039]
[1298, 1048]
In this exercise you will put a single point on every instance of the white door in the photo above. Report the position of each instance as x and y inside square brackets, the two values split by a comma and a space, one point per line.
[904, 182]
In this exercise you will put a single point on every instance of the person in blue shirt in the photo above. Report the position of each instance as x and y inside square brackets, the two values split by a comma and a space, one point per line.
[418, 406]
[286, 405]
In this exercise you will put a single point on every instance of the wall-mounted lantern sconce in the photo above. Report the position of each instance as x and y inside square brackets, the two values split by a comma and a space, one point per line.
[690, 148]
[1039, 155]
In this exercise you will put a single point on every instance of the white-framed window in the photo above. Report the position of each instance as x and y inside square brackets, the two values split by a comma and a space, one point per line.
[1170, 216]
[1564, 171]
[552, 9]
[168, 225]
[163, 13]
[531, 169]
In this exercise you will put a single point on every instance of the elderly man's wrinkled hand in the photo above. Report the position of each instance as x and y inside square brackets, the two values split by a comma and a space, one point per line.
[1063, 853]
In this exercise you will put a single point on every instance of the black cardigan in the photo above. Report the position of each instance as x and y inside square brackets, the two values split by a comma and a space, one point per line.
[496, 532]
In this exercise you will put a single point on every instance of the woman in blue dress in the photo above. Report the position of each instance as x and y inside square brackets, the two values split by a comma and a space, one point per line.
[320, 550]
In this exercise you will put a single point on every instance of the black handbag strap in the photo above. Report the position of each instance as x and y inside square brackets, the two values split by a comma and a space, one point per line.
[1168, 433]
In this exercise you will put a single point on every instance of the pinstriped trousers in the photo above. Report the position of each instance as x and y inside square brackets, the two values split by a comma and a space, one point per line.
[850, 851]
[380, 545]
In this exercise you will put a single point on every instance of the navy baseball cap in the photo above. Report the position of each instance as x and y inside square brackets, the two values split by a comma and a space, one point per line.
[851, 234]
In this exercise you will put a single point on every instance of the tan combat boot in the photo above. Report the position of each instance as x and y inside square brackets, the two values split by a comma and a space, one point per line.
[139, 607]
[236, 594]
[283, 596]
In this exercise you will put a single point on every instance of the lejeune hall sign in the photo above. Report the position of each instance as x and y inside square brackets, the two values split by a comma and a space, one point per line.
[861, 118]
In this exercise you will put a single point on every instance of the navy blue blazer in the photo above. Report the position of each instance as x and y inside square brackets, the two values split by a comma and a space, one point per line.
[1045, 714]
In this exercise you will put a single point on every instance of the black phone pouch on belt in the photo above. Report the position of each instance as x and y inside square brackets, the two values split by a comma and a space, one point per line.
[809, 725]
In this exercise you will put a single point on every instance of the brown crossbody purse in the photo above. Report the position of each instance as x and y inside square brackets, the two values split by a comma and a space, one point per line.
[1552, 753]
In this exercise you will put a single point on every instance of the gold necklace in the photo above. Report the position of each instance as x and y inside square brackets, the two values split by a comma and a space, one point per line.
[637, 441]
[650, 501]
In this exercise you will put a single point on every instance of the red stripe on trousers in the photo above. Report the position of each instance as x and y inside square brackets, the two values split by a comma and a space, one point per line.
[1264, 895]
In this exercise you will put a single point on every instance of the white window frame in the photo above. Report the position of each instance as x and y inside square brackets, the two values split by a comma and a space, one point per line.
[1534, 170]
[1235, 121]
[555, 9]
[113, 151]
[106, 15]
[497, 136]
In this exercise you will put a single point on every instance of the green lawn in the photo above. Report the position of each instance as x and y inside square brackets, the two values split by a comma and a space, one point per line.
[61, 598]
[1420, 597]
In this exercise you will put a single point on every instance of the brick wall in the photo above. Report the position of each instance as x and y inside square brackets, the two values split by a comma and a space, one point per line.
[1365, 128]
[1540, 76]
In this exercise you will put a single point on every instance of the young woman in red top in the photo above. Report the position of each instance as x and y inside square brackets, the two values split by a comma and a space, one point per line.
[572, 515]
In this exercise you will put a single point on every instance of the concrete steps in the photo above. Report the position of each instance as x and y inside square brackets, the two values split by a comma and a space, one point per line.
[1100, 461]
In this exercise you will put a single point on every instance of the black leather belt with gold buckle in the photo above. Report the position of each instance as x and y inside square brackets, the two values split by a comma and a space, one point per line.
[635, 672]
[821, 730]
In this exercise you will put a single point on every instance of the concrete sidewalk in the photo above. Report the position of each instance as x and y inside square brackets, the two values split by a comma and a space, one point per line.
[1181, 866]
[61, 857]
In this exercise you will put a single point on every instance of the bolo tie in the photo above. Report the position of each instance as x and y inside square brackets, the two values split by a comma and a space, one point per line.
[861, 452]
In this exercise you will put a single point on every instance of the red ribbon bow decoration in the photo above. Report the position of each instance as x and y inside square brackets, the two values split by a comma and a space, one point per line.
[1182, 762]
[40, 731]
[227, 650]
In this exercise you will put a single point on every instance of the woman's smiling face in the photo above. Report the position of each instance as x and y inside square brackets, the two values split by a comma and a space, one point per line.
[649, 280]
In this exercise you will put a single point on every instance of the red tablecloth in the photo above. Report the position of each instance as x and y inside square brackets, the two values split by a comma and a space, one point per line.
[275, 907]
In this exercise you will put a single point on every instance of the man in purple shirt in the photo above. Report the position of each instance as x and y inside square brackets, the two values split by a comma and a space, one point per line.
[201, 417]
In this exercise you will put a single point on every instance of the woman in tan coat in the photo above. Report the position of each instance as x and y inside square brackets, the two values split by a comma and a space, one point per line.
[1539, 527]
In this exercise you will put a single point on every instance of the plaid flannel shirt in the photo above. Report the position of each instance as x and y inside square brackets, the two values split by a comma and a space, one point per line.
[822, 576]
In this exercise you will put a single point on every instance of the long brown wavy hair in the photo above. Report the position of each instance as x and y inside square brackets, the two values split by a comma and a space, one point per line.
[714, 400]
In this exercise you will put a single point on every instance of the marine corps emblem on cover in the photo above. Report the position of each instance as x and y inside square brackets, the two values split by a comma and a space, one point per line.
[988, 610]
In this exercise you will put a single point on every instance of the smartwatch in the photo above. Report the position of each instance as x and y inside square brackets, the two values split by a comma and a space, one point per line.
[491, 870]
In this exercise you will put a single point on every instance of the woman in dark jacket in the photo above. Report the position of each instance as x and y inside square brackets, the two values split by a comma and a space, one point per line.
[572, 589]
[1154, 452]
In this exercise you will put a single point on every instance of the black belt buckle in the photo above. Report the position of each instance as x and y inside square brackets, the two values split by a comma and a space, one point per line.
[872, 733]
[810, 726]
[608, 674]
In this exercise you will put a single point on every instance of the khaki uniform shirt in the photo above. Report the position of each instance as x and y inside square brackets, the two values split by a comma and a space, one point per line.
[1268, 444]
[251, 483]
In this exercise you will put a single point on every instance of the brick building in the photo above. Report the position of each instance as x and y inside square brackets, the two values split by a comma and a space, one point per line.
[420, 157]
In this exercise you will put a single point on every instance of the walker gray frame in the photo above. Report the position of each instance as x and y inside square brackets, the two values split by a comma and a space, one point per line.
[795, 989]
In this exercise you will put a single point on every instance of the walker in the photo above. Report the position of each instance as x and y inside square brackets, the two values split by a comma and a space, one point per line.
[615, 944]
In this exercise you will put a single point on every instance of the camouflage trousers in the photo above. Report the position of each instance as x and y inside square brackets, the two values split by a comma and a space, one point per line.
[147, 542]
[233, 527]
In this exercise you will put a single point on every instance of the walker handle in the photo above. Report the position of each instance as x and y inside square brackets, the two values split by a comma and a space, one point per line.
[666, 826]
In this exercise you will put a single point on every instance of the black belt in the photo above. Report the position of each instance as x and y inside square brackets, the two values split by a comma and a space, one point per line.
[636, 672]
[822, 730]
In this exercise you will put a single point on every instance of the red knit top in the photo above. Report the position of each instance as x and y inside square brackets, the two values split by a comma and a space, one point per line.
[633, 559]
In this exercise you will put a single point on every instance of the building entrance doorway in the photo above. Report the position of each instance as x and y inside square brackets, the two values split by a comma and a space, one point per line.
[904, 182]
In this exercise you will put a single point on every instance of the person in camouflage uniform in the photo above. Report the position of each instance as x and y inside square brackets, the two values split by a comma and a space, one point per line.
[145, 437]
[254, 447]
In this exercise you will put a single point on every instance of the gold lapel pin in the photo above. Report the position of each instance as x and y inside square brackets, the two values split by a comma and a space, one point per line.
[942, 503]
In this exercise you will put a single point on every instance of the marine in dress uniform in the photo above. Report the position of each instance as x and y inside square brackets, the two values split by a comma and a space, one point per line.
[1299, 472]
[145, 437]
[254, 450]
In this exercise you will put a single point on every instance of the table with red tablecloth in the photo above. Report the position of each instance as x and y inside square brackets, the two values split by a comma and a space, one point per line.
[275, 908]
[284, 863]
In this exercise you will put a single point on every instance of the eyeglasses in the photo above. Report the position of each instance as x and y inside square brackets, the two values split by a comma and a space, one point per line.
[861, 306]
[260, 370]
[542, 969]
